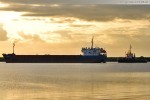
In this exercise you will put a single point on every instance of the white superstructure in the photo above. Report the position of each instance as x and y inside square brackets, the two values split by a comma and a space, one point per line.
[93, 51]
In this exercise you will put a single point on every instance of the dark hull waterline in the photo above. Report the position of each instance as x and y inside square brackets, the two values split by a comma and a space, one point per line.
[12, 58]
[131, 60]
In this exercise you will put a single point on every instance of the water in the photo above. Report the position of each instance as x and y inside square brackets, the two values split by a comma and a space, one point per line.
[110, 81]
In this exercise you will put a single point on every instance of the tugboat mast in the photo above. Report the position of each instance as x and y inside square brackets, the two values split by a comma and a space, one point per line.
[130, 48]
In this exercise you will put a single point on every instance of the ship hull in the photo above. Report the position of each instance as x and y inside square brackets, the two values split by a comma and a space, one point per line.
[132, 60]
[12, 58]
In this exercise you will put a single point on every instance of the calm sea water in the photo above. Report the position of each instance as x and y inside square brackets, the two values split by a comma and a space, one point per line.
[110, 81]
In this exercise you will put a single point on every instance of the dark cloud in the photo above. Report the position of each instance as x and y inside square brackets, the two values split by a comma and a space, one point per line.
[84, 12]
[97, 12]
[44, 1]
[29, 1]
[3, 33]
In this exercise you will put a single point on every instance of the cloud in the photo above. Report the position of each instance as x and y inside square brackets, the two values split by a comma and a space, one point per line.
[30, 38]
[58, 1]
[84, 12]
[79, 25]
[42, 1]
[64, 34]
[48, 37]
[3, 34]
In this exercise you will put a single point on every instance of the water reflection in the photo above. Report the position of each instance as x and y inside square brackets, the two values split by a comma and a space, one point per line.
[109, 81]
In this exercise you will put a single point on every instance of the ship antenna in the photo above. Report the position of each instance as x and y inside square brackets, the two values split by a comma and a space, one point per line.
[14, 48]
[92, 42]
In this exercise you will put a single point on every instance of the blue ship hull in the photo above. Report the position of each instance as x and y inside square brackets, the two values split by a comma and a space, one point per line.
[12, 58]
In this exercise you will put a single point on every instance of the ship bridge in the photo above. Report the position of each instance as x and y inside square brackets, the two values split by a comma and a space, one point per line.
[93, 51]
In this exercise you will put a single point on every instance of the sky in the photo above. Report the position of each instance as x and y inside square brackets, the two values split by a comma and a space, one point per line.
[64, 27]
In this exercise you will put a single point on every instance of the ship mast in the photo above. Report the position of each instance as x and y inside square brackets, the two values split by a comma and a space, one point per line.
[130, 48]
[14, 48]
[92, 42]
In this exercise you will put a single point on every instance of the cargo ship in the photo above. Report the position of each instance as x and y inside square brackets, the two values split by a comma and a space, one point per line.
[131, 58]
[89, 55]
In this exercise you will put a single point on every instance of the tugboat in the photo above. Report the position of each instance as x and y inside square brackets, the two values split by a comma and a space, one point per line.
[89, 55]
[130, 58]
